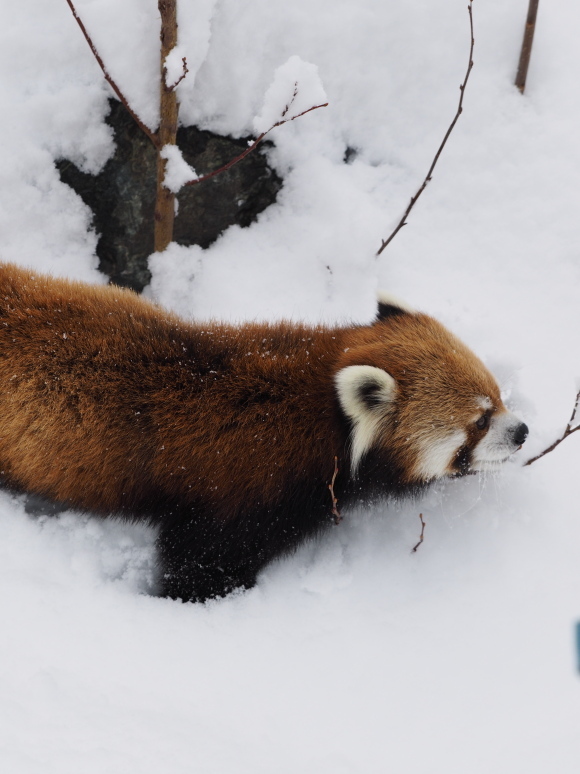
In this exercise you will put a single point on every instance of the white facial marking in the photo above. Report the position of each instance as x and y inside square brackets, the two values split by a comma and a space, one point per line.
[352, 383]
[484, 402]
[390, 300]
[497, 444]
[436, 457]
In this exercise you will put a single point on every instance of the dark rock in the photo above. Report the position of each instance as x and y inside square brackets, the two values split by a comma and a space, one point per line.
[122, 195]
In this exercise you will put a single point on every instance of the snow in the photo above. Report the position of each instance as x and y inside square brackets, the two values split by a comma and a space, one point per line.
[177, 170]
[296, 89]
[353, 655]
[175, 66]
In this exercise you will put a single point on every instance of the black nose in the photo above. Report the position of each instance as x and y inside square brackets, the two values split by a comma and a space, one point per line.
[520, 433]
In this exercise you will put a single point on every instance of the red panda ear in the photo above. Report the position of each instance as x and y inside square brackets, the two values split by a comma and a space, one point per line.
[366, 394]
[389, 306]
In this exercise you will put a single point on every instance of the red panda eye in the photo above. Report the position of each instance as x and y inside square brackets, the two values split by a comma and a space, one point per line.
[482, 422]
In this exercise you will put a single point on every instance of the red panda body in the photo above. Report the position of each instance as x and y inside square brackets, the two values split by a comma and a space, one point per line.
[225, 436]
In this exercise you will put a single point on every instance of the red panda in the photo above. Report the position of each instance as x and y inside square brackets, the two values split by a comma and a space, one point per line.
[225, 436]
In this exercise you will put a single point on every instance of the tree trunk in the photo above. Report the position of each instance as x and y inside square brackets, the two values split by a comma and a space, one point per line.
[165, 204]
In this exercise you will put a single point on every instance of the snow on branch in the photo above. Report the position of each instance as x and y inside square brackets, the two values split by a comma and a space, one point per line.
[403, 221]
[570, 428]
[177, 171]
[175, 67]
[295, 91]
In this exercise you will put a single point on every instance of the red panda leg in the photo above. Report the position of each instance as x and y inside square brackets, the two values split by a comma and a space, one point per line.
[200, 557]
[191, 573]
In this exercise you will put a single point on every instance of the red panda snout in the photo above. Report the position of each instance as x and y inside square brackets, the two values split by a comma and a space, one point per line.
[505, 436]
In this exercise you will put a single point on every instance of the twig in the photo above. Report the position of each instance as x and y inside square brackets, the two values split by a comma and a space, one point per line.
[252, 147]
[294, 95]
[526, 51]
[335, 511]
[181, 77]
[422, 534]
[403, 221]
[568, 431]
[144, 128]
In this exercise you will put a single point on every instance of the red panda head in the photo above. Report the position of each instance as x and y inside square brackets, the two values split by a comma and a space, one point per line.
[412, 390]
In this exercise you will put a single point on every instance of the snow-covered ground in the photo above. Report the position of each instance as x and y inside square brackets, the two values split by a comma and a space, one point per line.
[353, 656]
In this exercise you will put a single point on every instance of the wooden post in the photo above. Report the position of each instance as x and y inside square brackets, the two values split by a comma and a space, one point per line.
[526, 51]
[167, 133]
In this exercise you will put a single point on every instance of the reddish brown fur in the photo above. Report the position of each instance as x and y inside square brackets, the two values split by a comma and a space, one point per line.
[223, 435]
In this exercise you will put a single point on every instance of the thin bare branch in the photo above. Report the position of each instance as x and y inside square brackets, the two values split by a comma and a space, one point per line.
[251, 147]
[144, 128]
[181, 77]
[335, 511]
[403, 221]
[294, 95]
[526, 51]
[568, 431]
[422, 534]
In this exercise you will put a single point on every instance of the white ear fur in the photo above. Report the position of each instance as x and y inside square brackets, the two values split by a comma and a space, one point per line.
[388, 299]
[365, 394]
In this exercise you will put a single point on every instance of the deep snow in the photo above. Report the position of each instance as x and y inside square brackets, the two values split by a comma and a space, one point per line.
[353, 655]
